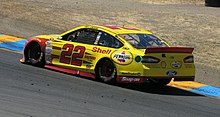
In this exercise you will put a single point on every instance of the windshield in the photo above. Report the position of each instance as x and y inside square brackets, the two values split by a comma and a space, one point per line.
[141, 41]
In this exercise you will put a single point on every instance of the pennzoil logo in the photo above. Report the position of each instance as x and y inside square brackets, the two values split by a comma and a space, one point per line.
[122, 57]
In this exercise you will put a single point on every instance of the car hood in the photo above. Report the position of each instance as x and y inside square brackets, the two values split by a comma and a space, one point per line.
[55, 36]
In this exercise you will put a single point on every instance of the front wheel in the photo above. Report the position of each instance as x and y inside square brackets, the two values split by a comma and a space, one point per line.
[35, 55]
[106, 71]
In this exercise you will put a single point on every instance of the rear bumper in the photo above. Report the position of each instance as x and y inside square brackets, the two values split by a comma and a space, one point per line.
[145, 79]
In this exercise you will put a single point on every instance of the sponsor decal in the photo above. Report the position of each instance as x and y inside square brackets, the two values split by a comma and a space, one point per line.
[86, 53]
[70, 54]
[131, 73]
[122, 57]
[163, 64]
[126, 79]
[171, 73]
[51, 39]
[86, 62]
[48, 52]
[89, 58]
[138, 59]
[99, 50]
[176, 64]
[88, 66]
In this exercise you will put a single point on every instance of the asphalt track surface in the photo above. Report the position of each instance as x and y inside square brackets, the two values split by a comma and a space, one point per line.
[27, 91]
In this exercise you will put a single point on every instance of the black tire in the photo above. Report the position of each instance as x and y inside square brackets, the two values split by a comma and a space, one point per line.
[35, 56]
[106, 71]
[212, 3]
[160, 82]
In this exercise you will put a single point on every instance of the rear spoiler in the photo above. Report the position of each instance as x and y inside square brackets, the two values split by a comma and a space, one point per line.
[169, 50]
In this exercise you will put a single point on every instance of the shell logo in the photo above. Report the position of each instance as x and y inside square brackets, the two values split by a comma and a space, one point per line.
[122, 57]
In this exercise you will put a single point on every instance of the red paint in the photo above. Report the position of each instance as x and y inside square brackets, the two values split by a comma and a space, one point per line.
[129, 28]
[68, 57]
[40, 41]
[86, 74]
[56, 48]
[54, 57]
[70, 71]
[65, 55]
[112, 27]
[77, 56]
[119, 27]
[169, 50]
[22, 60]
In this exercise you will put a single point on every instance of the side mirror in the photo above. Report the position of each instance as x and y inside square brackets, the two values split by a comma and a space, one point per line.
[126, 48]
[59, 37]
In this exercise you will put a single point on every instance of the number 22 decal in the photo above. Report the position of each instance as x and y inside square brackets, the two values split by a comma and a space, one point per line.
[69, 57]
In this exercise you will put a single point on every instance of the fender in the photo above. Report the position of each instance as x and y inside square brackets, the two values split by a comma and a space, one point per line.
[40, 41]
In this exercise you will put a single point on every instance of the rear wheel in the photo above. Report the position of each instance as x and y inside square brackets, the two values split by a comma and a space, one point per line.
[106, 71]
[160, 82]
[35, 55]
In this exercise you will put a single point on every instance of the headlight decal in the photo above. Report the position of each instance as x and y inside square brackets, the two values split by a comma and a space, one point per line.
[150, 59]
[189, 59]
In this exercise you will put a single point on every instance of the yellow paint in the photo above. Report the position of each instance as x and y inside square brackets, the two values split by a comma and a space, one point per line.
[131, 66]
[186, 85]
[7, 38]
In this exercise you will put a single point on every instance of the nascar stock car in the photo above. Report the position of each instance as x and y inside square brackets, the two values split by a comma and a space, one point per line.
[111, 54]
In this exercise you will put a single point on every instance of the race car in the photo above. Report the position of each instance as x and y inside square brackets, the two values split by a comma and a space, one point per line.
[111, 54]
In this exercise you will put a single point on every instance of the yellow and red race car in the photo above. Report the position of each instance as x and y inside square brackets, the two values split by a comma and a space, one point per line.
[111, 54]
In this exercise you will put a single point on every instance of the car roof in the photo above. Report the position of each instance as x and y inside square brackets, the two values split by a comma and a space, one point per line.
[113, 29]
[124, 29]
[119, 29]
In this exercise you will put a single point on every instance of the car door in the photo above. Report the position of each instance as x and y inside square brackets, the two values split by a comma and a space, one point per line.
[71, 50]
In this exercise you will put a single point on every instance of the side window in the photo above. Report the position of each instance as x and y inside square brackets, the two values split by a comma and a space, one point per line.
[70, 36]
[87, 36]
[108, 40]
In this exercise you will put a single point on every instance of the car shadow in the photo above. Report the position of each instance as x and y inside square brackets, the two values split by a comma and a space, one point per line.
[162, 90]
[146, 88]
